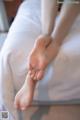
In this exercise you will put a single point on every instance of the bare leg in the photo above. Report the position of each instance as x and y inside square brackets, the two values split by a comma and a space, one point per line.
[24, 97]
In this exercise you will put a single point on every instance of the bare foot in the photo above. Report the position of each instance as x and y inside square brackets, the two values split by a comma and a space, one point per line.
[24, 97]
[41, 56]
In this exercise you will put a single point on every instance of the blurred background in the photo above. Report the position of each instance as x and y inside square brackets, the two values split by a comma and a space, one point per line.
[8, 9]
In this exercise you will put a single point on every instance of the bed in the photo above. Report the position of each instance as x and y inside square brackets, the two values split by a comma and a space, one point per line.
[61, 83]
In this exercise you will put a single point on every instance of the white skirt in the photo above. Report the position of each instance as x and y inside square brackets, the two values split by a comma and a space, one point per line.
[62, 78]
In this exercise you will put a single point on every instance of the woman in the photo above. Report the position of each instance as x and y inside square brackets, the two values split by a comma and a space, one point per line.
[47, 45]
[13, 58]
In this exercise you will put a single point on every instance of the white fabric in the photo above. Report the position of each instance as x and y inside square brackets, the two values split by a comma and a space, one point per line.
[62, 78]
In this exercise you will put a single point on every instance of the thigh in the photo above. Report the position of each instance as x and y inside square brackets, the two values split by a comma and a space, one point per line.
[20, 40]
[13, 57]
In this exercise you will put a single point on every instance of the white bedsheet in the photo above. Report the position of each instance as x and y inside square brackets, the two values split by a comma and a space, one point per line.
[62, 78]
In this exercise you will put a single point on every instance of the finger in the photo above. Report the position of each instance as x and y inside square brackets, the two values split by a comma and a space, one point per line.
[30, 67]
[29, 72]
[32, 74]
[37, 72]
[40, 74]
[35, 76]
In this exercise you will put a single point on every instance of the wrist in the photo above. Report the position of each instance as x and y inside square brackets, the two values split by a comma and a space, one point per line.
[46, 34]
[43, 41]
[57, 42]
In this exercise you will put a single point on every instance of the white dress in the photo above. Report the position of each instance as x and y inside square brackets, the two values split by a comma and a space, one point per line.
[62, 78]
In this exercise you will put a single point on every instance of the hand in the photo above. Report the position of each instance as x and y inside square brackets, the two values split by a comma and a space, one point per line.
[39, 59]
[36, 56]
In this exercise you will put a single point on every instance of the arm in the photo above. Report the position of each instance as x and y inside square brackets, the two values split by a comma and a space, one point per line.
[67, 16]
[48, 15]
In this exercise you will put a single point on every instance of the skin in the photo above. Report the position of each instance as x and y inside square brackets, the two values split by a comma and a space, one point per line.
[27, 99]
[51, 40]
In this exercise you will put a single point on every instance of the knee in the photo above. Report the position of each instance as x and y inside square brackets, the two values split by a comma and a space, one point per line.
[14, 61]
[6, 55]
